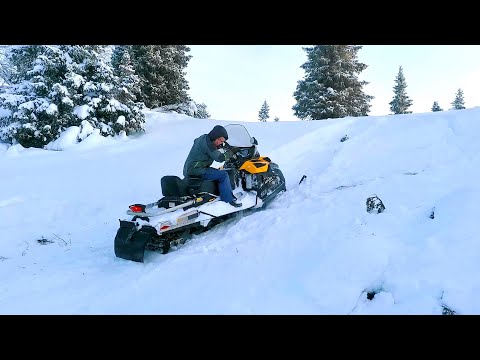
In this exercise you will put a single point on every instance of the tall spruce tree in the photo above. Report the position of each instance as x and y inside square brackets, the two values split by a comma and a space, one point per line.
[458, 103]
[128, 80]
[117, 55]
[161, 72]
[331, 88]
[263, 114]
[401, 102]
[96, 90]
[436, 107]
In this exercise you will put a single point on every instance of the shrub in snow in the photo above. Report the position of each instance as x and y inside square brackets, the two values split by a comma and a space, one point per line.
[375, 205]
[202, 112]
[189, 108]
[447, 311]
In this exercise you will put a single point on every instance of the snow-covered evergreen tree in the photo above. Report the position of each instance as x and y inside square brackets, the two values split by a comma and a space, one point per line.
[436, 107]
[401, 102]
[117, 55]
[63, 86]
[331, 88]
[6, 68]
[458, 103]
[38, 101]
[95, 89]
[161, 72]
[107, 52]
[264, 112]
[20, 60]
[129, 82]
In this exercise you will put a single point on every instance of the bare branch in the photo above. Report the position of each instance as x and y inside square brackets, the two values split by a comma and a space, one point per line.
[25, 251]
[60, 239]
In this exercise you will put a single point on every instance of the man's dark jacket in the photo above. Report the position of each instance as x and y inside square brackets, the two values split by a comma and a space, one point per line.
[204, 152]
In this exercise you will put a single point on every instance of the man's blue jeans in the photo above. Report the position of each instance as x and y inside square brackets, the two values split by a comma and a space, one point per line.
[223, 182]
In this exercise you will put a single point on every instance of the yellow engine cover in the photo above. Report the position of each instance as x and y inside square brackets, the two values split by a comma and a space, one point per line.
[256, 166]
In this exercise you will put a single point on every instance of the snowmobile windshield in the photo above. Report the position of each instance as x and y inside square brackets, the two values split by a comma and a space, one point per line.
[238, 136]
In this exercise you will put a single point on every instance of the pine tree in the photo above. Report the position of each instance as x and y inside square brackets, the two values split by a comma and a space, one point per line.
[161, 72]
[436, 107]
[263, 114]
[96, 88]
[117, 55]
[202, 112]
[331, 88]
[458, 103]
[401, 102]
[128, 80]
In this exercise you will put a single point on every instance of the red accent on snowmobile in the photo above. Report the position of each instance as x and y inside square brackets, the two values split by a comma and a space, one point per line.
[137, 208]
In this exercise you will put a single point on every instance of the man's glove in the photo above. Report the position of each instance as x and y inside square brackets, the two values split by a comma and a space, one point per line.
[229, 154]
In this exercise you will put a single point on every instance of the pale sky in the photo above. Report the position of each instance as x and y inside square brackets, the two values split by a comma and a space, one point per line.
[234, 80]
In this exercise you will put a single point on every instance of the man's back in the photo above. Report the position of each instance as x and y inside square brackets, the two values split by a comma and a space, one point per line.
[199, 157]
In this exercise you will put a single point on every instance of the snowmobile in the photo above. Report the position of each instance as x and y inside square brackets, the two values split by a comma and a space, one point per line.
[191, 205]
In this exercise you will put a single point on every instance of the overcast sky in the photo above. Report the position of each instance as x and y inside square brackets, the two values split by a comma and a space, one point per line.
[234, 80]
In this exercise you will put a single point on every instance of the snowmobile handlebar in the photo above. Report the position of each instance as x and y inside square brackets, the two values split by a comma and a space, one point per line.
[233, 149]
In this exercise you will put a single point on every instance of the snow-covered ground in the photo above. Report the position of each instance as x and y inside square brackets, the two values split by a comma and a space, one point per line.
[315, 250]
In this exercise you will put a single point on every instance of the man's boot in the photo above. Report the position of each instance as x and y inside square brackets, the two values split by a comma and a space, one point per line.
[235, 203]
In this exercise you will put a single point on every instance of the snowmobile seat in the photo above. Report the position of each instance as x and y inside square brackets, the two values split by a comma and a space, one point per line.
[196, 184]
[173, 186]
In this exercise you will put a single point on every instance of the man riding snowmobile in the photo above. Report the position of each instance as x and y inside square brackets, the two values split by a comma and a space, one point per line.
[204, 151]
[193, 205]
